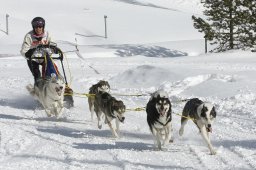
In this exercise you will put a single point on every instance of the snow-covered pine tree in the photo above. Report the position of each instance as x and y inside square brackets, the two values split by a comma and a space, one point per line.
[230, 23]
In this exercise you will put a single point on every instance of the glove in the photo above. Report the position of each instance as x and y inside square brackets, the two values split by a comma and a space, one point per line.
[29, 53]
[56, 50]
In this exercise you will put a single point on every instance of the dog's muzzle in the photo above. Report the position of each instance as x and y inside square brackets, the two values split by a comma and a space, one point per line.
[121, 119]
[209, 128]
[162, 111]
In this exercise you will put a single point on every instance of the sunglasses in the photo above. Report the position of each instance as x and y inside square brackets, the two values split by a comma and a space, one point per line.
[38, 24]
[38, 27]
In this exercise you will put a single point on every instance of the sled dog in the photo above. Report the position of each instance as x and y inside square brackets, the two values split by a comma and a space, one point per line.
[50, 93]
[202, 114]
[159, 118]
[101, 86]
[106, 106]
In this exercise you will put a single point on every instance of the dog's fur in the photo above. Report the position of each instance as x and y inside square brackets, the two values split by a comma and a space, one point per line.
[202, 114]
[50, 93]
[101, 86]
[106, 106]
[159, 118]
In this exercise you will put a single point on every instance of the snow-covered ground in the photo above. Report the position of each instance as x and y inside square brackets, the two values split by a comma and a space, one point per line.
[151, 45]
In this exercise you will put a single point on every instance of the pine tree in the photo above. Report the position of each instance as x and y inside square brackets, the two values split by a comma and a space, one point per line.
[231, 23]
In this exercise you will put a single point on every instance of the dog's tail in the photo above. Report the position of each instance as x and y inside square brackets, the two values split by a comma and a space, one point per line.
[31, 89]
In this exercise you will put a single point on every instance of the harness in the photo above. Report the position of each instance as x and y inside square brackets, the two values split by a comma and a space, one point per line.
[168, 120]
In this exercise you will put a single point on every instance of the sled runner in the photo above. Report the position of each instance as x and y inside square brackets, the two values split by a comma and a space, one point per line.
[46, 55]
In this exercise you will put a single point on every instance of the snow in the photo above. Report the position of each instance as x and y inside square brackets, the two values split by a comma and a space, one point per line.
[151, 45]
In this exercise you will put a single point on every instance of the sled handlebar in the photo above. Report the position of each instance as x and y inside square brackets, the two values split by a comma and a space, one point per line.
[54, 48]
[55, 58]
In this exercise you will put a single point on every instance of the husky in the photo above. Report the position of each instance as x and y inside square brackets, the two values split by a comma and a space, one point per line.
[159, 118]
[101, 86]
[108, 107]
[202, 114]
[50, 93]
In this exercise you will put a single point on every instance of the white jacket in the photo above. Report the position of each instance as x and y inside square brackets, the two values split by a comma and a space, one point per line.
[30, 41]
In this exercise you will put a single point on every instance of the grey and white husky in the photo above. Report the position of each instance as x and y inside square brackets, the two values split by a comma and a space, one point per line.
[159, 118]
[108, 107]
[101, 86]
[50, 93]
[202, 114]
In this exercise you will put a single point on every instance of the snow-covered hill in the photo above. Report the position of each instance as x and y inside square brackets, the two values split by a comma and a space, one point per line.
[151, 45]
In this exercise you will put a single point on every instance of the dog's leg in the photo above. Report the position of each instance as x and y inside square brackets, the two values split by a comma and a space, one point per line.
[91, 106]
[156, 137]
[99, 114]
[207, 139]
[92, 112]
[183, 123]
[112, 130]
[48, 112]
[60, 108]
[117, 126]
[100, 117]
[168, 133]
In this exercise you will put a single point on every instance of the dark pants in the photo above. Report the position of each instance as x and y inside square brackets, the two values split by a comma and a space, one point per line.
[34, 68]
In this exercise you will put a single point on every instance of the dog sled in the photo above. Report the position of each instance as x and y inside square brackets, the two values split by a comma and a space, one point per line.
[46, 55]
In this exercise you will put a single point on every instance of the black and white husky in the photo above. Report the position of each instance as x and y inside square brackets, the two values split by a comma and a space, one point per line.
[202, 115]
[50, 93]
[101, 86]
[159, 118]
[109, 108]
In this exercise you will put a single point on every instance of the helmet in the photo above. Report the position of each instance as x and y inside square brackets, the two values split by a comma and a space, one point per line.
[38, 22]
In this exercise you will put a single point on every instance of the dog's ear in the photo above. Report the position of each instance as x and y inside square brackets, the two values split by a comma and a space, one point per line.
[158, 96]
[203, 111]
[114, 103]
[213, 112]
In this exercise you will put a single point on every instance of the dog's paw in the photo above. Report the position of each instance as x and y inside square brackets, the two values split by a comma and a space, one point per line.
[99, 126]
[115, 136]
[59, 113]
[31, 89]
[48, 112]
[213, 152]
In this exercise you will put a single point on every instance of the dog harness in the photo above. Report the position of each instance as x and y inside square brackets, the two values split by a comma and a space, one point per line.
[168, 120]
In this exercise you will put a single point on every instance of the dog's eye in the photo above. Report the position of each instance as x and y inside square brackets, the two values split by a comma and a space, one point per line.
[203, 114]
[166, 104]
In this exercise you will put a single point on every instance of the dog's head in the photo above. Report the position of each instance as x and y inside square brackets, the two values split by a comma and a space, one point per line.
[57, 84]
[162, 102]
[118, 108]
[103, 86]
[207, 113]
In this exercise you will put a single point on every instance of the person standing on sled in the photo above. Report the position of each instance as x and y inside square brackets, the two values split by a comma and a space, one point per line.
[35, 37]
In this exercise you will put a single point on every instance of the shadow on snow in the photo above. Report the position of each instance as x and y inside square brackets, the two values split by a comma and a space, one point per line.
[22, 102]
[127, 50]
[135, 2]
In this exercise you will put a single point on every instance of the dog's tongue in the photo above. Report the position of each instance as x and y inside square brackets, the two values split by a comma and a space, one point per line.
[209, 129]
[162, 113]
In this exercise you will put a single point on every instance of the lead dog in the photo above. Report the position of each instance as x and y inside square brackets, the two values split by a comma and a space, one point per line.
[50, 93]
[159, 118]
[202, 115]
[106, 106]
[101, 86]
